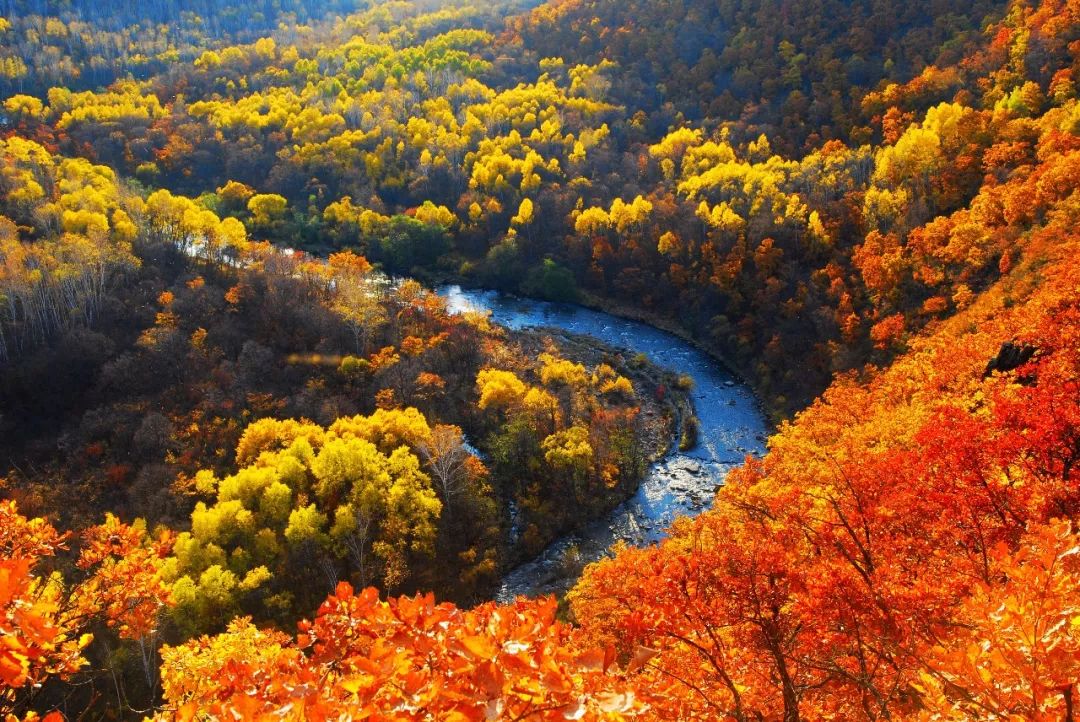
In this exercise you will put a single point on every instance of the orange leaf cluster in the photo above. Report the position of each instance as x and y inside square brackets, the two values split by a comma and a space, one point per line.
[402, 659]
[43, 625]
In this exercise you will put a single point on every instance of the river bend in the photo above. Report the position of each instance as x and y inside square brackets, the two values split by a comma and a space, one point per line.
[682, 483]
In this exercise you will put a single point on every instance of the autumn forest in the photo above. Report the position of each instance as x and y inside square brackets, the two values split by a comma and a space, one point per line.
[259, 461]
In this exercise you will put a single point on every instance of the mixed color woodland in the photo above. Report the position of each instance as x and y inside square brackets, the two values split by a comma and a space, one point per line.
[252, 467]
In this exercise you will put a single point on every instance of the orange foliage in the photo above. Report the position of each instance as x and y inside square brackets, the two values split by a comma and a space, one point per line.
[402, 659]
[894, 553]
[43, 626]
[35, 641]
[126, 587]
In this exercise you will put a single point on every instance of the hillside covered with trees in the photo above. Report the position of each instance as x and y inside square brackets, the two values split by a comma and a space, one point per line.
[253, 468]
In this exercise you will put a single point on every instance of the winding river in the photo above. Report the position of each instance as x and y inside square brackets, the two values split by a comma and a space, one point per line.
[682, 483]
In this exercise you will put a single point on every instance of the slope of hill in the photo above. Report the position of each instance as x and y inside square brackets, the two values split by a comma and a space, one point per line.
[83, 45]
[906, 550]
[793, 70]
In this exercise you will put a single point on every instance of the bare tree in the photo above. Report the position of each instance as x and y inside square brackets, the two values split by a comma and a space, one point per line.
[445, 455]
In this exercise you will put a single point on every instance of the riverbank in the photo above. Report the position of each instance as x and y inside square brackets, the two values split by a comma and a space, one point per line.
[664, 412]
[586, 299]
[679, 483]
[773, 412]
[666, 405]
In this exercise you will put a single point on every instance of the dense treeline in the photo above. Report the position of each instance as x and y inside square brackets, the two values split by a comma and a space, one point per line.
[793, 70]
[87, 45]
[544, 173]
[906, 550]
[219, 17]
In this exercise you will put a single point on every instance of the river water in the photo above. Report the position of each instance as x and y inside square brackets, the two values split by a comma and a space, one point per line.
[730, 426]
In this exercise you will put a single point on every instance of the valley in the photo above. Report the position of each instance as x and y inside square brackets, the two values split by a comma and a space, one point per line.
[477, 360]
